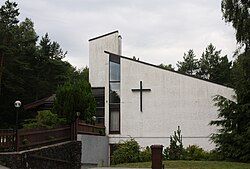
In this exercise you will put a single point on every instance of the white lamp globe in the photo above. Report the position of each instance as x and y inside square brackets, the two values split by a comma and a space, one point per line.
[17, 104]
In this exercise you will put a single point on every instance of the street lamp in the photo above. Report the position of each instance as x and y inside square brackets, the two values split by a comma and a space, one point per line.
[78, 114]
[94, 119]
[17, 105]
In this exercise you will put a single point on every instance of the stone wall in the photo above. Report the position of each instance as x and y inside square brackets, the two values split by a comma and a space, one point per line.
[65, 155]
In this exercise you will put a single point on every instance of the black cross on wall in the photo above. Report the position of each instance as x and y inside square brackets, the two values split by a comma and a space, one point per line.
[141, 90]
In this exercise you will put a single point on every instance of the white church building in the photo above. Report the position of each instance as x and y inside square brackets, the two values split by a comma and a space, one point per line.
[143, 101]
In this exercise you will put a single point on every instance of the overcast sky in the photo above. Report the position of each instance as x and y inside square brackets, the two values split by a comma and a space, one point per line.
[156, 31]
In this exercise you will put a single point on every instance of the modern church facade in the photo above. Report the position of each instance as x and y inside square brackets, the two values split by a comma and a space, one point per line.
[146, 102]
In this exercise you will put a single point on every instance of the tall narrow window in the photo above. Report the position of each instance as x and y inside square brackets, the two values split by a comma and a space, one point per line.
[114, 121]
[114, 94]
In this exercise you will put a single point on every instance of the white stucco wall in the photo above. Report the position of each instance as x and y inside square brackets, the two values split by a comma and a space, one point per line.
[99, 64]
[98, 59]
[174, 100]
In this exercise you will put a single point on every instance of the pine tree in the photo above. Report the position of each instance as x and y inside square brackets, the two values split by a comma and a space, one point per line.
[233, 139]
[175, 149]
[190, 63]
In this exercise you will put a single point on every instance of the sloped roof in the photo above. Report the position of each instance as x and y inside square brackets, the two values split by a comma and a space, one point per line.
[174, 71]
[103, 35]
[49, 99]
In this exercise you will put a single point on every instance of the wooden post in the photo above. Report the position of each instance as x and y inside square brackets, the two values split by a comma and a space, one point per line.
[76, 127]
[157, 156]
[71, 131]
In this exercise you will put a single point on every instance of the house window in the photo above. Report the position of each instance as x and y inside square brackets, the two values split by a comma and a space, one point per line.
[114, 94]
[99, 93]
[114, 121]
[114, 71]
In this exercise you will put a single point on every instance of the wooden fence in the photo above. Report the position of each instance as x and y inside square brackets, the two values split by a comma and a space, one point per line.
[7, 139]
[23, 139]
[84, 128]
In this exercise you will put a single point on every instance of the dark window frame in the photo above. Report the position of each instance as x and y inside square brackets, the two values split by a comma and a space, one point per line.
[114, 106]
[99, 94]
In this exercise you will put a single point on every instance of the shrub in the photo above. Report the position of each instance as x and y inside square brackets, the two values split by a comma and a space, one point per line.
[214, 155]
[166, 153]
[194, 152]
[145, 155]
[126, 152]
[44, 119]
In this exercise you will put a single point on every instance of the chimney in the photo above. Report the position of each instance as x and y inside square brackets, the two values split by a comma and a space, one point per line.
[119, 45]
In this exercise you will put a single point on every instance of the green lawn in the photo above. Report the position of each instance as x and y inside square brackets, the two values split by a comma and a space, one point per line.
[191, 165]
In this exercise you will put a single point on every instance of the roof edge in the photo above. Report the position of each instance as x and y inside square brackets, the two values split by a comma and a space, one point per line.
[149, 64]
[103, 35]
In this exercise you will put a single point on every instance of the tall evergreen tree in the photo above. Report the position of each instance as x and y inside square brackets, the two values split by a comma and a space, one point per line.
[79, 99]
[214, 67]
[189, 64]
[27, 71]
[8, 27]
[233, 139]
[237, 13]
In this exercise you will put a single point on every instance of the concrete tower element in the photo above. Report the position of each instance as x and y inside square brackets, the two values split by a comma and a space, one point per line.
[98, 60]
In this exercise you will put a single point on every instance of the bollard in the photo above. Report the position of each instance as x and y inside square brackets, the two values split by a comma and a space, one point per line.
[156, 156]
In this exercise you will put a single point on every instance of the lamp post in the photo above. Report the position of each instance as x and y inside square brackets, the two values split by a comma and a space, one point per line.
[78, 114]
[17, 105]
[76, 124]
[94, 119]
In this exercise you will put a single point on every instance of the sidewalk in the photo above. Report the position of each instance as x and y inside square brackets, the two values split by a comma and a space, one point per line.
[2, 167]
[115, 168]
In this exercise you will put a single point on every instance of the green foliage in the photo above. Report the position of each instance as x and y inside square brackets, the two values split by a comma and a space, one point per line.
[75, 97]
[214, 155]
[237, 13]
[194, 152]
[211, 66]
[29, 70]
[145, 155]
[44, 119]
[233, 139]
[214, 67]
[185, 164]
[126, 152]
[167, 67]
[190, 63]
[175, 149]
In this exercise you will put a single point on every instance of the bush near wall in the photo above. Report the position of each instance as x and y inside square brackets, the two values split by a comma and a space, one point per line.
[145, 155]
[129, 152]
[44, 119]
[194, 152]
[126, 152]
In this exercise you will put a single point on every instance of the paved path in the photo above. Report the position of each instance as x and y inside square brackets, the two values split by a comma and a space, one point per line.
[2, 167]
[115, 168]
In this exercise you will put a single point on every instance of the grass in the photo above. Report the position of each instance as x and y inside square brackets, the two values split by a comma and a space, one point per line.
[190, 165]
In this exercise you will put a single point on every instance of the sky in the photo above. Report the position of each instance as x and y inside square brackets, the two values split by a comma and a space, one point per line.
[156, 31]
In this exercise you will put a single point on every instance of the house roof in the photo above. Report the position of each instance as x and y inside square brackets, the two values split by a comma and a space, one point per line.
[49, 99]
[103, 35]
[149, 64]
